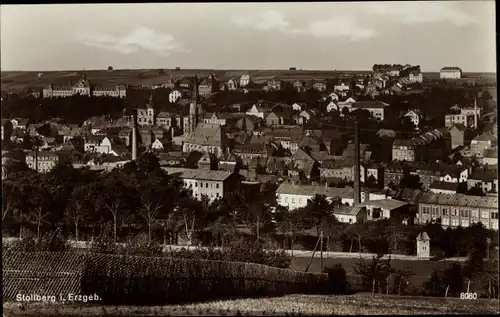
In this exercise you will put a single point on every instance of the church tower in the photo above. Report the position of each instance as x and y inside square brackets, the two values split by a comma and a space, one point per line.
[193, 107]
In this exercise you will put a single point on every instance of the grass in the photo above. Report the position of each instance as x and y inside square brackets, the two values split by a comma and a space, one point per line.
[421, 269]
[322, 305]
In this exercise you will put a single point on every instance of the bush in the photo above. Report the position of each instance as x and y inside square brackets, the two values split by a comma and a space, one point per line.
[337, 279]
[53, 241]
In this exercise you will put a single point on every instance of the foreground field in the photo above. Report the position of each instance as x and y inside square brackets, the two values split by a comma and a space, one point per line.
[360, 304]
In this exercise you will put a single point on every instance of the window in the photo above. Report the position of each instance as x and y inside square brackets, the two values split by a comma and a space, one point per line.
[494, 215]
[217, 186]
[206, 184]
[446, 212]
[216, 194]
[454, 212]
[293, 200]
[435, 212]
[196, 184]
[286, 199]
[464, 213]
[484, 214]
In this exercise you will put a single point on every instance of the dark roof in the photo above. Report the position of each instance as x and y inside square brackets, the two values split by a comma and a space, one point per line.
[486, 175]
[444, 185]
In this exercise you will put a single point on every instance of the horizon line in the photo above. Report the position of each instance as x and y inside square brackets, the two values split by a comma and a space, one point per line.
[224, 69]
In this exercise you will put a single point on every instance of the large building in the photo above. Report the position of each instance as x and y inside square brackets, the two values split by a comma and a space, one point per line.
[213, 184]
[458, 209]
[376, 108]
[465, 117]
[84, 87]
[207, 138]
[42, 161]
[450, 73]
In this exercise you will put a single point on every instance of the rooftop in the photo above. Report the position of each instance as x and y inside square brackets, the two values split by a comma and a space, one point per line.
[459, 200]
[444, 186]
[199, 174]
[311, 190]
[384, 203]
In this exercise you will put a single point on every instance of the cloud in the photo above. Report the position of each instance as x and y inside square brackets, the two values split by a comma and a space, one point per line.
[139, 38]
[344, 26]
[422, 12]
[265, 21]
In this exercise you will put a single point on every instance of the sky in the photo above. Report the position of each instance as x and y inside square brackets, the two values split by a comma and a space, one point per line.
[312, 36]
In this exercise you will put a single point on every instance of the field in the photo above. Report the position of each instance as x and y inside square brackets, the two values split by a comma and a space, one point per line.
[16, 80]
[360, 304]
[421, 269]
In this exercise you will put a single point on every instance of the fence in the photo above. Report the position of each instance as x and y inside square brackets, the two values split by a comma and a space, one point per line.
[119, 279]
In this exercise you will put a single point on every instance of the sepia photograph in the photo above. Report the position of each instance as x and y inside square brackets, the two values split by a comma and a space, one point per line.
[249, 159]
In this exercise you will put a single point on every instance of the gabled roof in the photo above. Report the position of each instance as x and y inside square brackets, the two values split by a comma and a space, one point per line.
[423, 236]
[459, 200]
[207, 134]
[198, 174]
[444, 186]
[311, 190]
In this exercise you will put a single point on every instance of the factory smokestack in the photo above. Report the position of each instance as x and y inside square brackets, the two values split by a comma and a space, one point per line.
[475, 113]
[134, 134]
[357, 189]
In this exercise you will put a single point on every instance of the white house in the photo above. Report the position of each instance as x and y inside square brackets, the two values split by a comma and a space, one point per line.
[174, 96]
[298, 106]
[244, 80]
[450, 73]
[416, 77]
[332, 106]
[257, 111]
[334, 96]
[456, 177]
[341, 87]
[157, 145]
[414, 117]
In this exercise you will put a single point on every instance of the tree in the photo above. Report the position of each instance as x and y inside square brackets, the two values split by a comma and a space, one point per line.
[410, 181]
[11, 198]
[486, 95]
[151, 195]
[290, 223]
[110, 68]
[112, 199]
[78, 210]
[402, 277]
[318, 210]
[355, 231]
[39, 206]
[374, 271]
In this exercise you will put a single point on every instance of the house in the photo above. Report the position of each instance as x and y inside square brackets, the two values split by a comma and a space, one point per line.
[146, 115]
[185, 83]
[42, 161]
[465, 117]
[296, 196]
[443, 187]
[225, 119]
[159, 144]
[486, 179]
[393, 174]
[305, 116]
[386, 209]
[164, 120]
[206, 138]
[455, 174]
[423, 246]
[298, 106]
[174, 96]
[458, 210]
[230, 162]
[431, 145]
[306, 164]
[244, 80]
[333, 96]
[213, 184]
[257, 110]
[232, 84]
[414, 117]
[457, 133]
[206, 87]
[332, 106]
[299, 85]
[247, 152]
[450, 73]
[274, 84]
[341, 88]
[490, 157]
[346, 214]
[319, 85]
[19, 123]
[275, 118]
[376, 108]
[119, 91]
[416, 77]
[481, 143]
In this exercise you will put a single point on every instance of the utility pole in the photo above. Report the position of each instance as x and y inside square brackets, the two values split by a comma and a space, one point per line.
[321, 250]
[357, 189]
